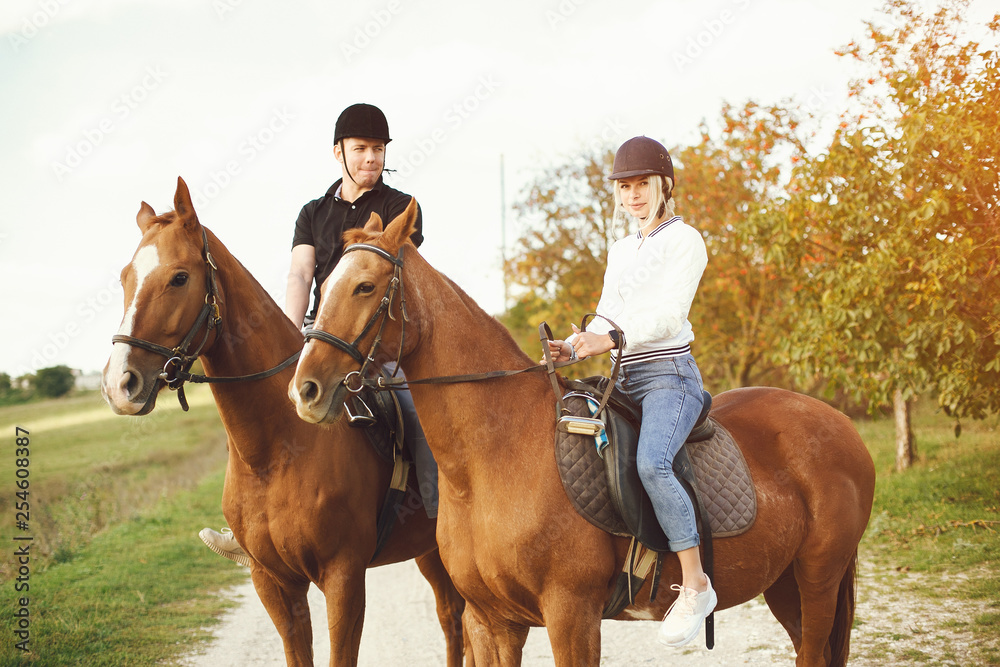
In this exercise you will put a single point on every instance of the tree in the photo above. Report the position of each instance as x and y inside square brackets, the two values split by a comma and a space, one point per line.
[557, 265]
[732, 189]
[894, 228]
[54, 381]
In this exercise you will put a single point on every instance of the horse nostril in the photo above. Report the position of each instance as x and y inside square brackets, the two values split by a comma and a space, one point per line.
[309, 391]
[131, 384]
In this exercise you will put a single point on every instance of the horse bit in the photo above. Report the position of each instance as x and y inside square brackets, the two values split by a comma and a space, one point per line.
[179, 360]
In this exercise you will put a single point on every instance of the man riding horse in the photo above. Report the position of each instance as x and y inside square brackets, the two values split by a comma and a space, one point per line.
[359, 143]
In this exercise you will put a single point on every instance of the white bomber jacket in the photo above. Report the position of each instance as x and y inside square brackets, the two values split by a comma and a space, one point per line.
[649, 286]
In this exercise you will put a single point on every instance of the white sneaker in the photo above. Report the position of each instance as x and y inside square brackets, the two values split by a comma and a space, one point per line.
[224, 544]
[686, 614]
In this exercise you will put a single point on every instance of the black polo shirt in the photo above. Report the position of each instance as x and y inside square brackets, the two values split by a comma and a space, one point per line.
[322, 223]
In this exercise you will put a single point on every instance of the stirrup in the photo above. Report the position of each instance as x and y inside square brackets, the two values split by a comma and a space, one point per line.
[360, 420]
[580, 425]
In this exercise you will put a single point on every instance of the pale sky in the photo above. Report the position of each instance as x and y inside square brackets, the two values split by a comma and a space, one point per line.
[106, 102]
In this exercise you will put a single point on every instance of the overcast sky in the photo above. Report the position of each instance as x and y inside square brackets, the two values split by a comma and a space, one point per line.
[106, 102]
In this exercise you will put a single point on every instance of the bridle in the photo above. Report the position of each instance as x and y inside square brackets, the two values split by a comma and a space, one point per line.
[355, 380]
[179, 359]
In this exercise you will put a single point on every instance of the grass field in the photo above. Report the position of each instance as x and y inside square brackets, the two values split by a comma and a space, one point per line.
[116, 573]
[119, 577]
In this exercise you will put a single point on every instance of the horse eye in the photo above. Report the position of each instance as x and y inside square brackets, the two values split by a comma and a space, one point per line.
[179, 280]
[364, 288]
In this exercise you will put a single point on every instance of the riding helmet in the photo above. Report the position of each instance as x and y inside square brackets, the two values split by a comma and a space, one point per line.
[362, 120]
[639, 156]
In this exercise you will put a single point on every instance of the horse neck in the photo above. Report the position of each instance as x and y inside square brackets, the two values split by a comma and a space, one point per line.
[255, 336]
[494, 417]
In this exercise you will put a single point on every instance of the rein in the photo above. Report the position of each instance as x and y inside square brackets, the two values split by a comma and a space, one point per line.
[179, 360]
[355, 381]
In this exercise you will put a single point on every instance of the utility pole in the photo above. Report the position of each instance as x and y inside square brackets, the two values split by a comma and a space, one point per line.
[503, 236]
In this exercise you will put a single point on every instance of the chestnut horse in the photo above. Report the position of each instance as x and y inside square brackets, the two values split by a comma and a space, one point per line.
[301, 499]
[514, 546]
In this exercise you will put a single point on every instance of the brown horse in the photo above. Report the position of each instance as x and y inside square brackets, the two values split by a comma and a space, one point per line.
[514, 546]
[301, 499]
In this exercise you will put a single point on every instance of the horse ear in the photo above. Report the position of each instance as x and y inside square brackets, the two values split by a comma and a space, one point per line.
[374, 224]
[183, 205]
[403, 225]
[144, 218]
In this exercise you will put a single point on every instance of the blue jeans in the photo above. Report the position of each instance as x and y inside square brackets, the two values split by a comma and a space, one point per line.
[669, 391]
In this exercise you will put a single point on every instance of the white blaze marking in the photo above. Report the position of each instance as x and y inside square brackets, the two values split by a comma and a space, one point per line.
[146, 260]
[340, 272]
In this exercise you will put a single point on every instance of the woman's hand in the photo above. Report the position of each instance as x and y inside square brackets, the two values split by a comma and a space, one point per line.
[560, 350]
[588, 344]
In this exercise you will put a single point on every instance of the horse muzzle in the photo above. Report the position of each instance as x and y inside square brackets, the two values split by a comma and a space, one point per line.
[318, 402]
[128, 391]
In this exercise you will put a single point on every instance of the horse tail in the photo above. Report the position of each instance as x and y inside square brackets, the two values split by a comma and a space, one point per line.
[840, 635]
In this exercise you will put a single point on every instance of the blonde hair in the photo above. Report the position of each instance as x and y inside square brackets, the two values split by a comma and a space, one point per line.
[658, 201]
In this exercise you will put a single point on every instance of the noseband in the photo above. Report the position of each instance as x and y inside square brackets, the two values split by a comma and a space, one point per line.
[354, 381]
[179, 360]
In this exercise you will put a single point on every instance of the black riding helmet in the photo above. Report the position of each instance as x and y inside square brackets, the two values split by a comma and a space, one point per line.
[362, 120]
[640, 156]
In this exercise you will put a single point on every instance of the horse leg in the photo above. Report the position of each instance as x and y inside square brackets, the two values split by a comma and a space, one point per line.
[344, 589]
[574, 632]
[289, 611]
[783, 600]
[819, 581]
[493, 644]
[450, 604]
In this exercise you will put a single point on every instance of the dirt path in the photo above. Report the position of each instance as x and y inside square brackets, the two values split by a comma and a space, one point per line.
[893, 627]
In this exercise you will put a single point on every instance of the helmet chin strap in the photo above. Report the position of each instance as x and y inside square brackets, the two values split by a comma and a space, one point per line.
[343, 159]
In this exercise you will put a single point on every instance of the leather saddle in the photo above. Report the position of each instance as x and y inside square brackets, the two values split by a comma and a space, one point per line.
[626, 493]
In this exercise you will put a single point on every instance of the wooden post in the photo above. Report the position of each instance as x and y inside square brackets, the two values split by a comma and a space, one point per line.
[905, 446]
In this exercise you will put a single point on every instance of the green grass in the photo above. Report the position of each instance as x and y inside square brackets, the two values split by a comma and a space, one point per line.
[941, 518]
[139, 594]
[89, 468]
[118, 575]
[942, 515]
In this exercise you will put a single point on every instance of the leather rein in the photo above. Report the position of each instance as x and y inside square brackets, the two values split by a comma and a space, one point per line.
[179, 359]
[355, 381]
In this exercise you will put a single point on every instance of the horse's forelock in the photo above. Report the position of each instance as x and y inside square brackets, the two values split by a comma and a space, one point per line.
[359, 235]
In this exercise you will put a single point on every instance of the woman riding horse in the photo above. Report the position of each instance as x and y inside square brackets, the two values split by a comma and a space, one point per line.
[649, 285]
